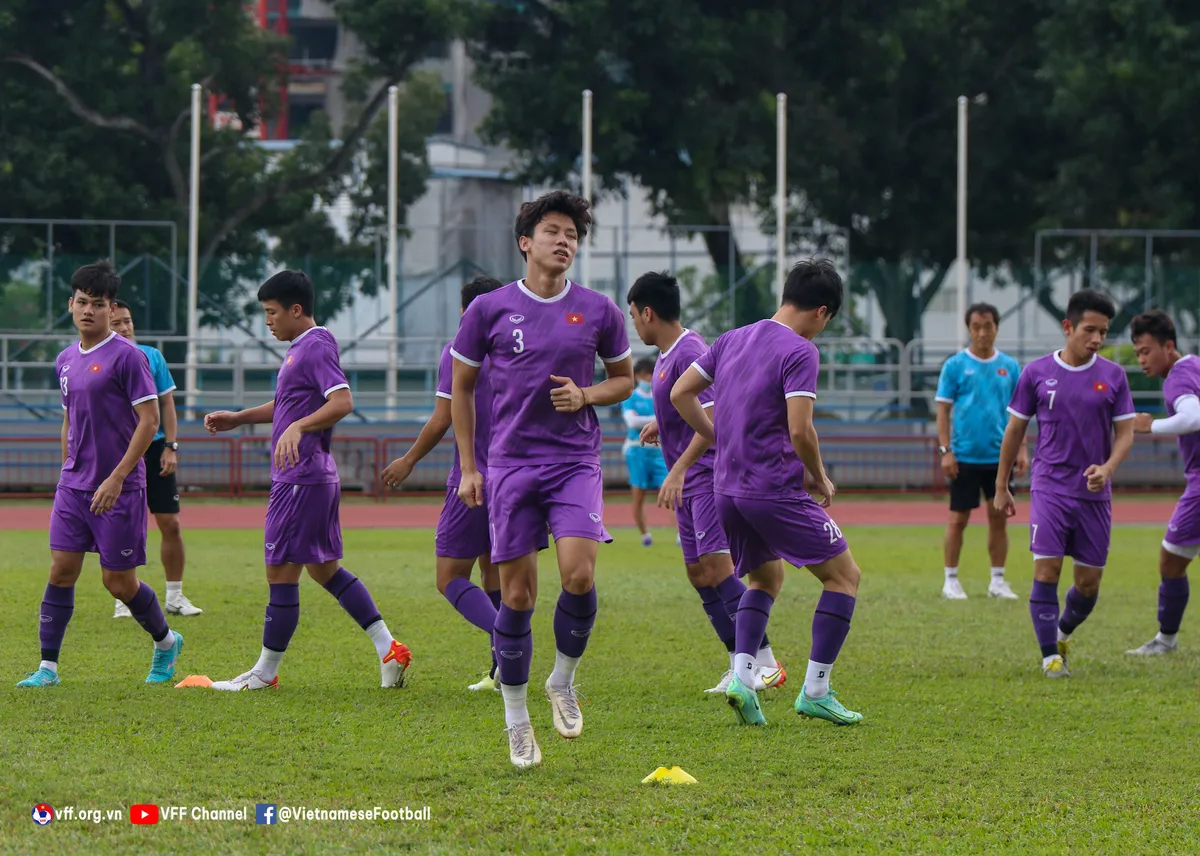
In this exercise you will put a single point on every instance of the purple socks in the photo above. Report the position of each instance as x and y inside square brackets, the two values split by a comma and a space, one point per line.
[472, 603]
[714, 608]
[146, 612]
[1172, 601]
[1043, 609]
[513, 642]
[283, 615]
[574, 617]
[831, 623]
[753, 614]
[58, 603]
[353, 597]
[1078, 607]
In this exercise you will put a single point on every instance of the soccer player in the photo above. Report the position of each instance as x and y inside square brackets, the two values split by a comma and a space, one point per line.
[765, 376]
[541, 336]
[303, 531]
[1070, 498]
[462, 533]
[1153, 335]
[162, 494]
[645, 464]
[688, 488]
[110, 415]
[975, 387]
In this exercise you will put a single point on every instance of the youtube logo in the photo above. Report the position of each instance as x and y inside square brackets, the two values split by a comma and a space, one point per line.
[140, 814]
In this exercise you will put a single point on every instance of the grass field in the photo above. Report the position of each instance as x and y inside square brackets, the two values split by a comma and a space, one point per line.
[965, 747]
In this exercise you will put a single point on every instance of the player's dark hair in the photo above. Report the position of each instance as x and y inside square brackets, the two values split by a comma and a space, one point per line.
[121, 304]
[555, 202]
[1156, 323]
[289, 288]
[814, 283]
[657, 291]
[644, 365]
[99, 279]
[479, 285]
[982, 309]
[1090, 300]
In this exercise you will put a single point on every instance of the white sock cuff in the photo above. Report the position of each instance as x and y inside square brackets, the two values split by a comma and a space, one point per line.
[997, 572]
[176, 587]
[951, 573]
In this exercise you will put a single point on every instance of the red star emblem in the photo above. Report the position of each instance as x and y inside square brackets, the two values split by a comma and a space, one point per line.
[1002, 372]
[574, 317]
[1100, 386]
[94, 368]
[662, 375]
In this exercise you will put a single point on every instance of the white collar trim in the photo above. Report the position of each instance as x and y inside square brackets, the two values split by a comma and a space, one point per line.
[554, 299]
[667, 352]
[995, 356]
[1058, 359]
[306, 332]
[98, 345]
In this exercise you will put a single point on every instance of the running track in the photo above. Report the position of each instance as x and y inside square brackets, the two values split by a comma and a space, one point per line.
[848, 512]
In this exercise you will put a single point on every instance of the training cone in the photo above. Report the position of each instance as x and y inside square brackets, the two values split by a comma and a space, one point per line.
[195, 681]
[670, 776]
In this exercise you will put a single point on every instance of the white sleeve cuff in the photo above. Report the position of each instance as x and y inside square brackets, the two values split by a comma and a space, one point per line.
[144, 399]
[800, 394]
[616, 359]
[703, 373]
[334, 389]
[441, 394]
[165, 391]
[1123, 417]
[708, 404]
[1019, 415]
[466, 360]
[942, 400]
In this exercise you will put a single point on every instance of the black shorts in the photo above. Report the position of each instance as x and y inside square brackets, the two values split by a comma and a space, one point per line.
[162, 492]
[972, 479]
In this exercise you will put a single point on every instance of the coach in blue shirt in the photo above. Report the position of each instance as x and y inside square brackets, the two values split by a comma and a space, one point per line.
[973, 394]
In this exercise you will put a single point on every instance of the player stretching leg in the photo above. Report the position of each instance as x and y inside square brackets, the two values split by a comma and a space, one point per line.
[462, 532]
[162, 493]
[110, 414]
[1153, 335]
[654, 305]
[974, 388]
[765, 376]
[303, 531]
[1080, 400]
[541, 337]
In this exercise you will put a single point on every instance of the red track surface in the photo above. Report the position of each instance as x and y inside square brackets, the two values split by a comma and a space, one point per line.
[849, 512]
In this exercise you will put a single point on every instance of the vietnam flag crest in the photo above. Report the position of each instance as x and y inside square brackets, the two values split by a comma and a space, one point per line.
[1100, 386]
[574, 317]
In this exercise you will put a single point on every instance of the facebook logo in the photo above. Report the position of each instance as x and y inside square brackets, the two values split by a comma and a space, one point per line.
[264, 813]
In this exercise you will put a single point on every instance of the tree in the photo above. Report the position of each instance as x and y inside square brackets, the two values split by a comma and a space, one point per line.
[95, 105]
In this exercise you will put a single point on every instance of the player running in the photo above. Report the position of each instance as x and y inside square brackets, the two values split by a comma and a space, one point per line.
[162, 493]
[303, 531]
[1070, 498]
[1154, 337]
[765, 376]
[654, 305]
[973, 391]
[541, 336]
[110, 415]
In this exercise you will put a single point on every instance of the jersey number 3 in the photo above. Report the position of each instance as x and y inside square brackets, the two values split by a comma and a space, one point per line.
[519, 346]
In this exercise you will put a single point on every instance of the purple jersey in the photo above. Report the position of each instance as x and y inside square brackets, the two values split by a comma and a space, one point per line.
[526, 339]
[755, 370]
[1074, 431]
[311, 371]
[1184, 380]
[483, 413]
[674, 434]
[99, 387]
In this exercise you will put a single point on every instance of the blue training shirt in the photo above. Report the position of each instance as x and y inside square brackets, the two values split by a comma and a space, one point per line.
[163, 382]
[640, 404]
[980, 391]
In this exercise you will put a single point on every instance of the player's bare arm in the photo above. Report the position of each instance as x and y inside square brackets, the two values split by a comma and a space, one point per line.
[227, 420]
[435, 428]
[337, 407]
[170, 427]
[803, 435]
[671, 491]
[109, 492]
[1185, 421]
[1014, 440]
[649, 433]
[1098, 475]
[66, 427]
[949, 462]
[618, 386]
[462, 414]
[685, 397]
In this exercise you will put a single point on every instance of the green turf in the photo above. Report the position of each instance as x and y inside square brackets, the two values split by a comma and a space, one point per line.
[965, 747]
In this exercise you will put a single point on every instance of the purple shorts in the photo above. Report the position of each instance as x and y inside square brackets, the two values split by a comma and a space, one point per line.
[1184, 528]
[462, 532]
[793, 528]
[700, 531]
[522, 501]
[119, 535]
[302, 526]
[1066, 526]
